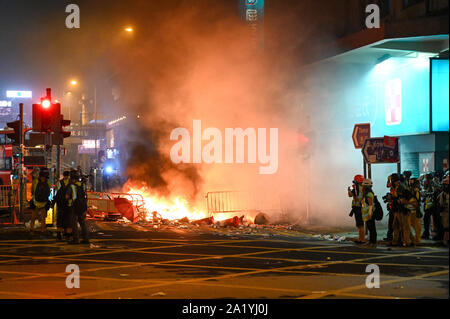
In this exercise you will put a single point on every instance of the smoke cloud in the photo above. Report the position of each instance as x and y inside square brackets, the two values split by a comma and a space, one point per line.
[198, 62]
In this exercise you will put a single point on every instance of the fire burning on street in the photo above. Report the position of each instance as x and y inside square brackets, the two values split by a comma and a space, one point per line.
[174, 207]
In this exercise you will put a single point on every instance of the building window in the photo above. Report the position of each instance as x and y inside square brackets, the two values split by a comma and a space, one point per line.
[409, 3]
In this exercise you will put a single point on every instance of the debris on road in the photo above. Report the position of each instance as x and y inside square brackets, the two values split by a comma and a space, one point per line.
[204, 221]
[261, 219]
[331, 238]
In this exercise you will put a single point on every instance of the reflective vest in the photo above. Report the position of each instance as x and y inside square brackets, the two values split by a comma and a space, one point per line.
[412, 205]
[365, 207]
[429, 197]
[357, 202]
[72, 192]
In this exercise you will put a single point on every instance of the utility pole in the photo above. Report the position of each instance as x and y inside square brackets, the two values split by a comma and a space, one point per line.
[95, 125]
[21, 141]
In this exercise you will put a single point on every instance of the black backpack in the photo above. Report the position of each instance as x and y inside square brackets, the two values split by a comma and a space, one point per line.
[378, 211]
[42, 192]
[60, 194]
[81, 201]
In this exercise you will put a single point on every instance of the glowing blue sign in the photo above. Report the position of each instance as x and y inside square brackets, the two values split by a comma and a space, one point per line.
[398, 97]
[19, 94]
[439, 94]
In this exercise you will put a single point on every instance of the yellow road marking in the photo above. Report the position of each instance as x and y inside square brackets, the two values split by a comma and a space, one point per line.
[403, 279]
[209, 278]
[171, 263]
[281, 289]
[24, 294]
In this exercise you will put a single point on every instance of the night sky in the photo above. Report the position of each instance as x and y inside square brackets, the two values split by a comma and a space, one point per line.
[38, 51]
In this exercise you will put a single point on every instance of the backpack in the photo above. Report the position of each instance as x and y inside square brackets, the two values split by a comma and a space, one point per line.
[59, 197]
[378, 211]
[42, 192]
[81, 201]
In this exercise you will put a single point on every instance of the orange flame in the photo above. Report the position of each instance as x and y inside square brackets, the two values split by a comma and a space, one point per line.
[172, 208]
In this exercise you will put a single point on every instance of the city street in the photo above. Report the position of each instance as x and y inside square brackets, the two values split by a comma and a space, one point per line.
[131, 261]
[215, 152]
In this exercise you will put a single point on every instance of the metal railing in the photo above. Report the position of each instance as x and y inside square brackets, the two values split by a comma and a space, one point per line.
[104, 202]
[239, 201]
[9, 199]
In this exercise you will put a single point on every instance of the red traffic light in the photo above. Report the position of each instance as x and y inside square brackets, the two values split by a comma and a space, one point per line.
[46, 103]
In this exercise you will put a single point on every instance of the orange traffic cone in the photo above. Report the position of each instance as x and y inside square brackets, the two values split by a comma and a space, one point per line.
[16, 221]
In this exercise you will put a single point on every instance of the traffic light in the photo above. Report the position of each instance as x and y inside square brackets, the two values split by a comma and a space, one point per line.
[60, 134]
[14, 137]
[64, 123]
[46, 115]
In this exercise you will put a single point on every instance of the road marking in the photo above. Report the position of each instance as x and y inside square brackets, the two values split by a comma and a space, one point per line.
[282, 289]
[24, 294]
[215, 277]
[173, 263]
[403, 279]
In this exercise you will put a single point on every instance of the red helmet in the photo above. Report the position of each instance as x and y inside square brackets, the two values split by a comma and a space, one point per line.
[358, 178]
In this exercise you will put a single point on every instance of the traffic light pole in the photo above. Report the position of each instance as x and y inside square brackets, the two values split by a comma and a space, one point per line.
[21, 139]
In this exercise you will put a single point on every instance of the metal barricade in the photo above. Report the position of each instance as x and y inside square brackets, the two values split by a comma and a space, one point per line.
[9, 200]
[103, 203]
[239, 201]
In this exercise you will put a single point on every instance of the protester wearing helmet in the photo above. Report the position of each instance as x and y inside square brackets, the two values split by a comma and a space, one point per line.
[356, 193]
[367, 209]
[407, 175]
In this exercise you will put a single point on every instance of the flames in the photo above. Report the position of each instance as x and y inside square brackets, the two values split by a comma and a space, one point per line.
[171, 208]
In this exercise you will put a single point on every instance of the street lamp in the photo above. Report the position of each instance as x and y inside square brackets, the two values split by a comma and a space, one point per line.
[129, 29]
[73, 82]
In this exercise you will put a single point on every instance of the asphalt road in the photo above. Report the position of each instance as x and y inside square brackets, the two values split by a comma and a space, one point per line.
[130, 261]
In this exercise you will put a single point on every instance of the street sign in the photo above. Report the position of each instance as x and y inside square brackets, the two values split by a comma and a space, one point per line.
[361, 132]
[381, 150]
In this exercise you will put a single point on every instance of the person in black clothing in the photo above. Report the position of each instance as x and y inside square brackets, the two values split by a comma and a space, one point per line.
[62, 222]
[41, 192]
[392, 205]
[77, 201]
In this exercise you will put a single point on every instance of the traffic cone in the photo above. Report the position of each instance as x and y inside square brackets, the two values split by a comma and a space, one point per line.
[233, 222]
[16, 221]
[206, 221]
